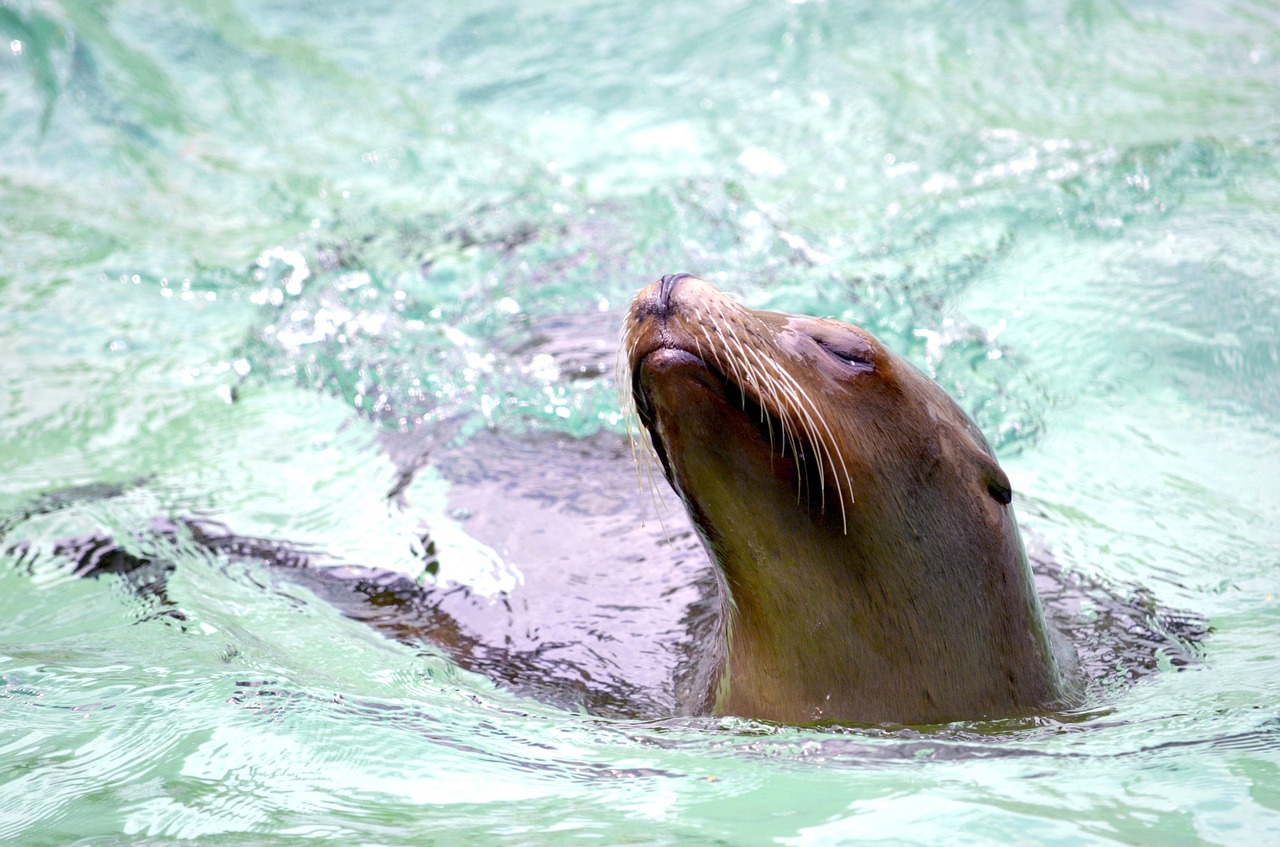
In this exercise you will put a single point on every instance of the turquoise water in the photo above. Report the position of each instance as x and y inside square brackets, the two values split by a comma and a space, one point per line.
[245, 245]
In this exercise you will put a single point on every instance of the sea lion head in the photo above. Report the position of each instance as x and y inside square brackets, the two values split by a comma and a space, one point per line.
[861, 526]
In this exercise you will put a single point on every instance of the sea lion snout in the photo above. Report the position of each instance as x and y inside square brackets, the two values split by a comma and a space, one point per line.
[659, 317]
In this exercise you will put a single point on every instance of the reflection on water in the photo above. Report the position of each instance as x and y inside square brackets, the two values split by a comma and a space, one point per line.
[266, 267]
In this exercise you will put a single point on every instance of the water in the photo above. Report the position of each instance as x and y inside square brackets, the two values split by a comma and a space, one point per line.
[256, 255]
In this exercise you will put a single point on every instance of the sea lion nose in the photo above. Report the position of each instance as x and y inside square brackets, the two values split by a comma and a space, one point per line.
[667, 287]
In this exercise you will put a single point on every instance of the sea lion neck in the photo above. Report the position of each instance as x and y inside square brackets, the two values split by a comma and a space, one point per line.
[870, 562]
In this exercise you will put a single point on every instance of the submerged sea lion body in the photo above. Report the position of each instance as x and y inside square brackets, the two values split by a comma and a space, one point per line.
[868, 568]
[862, 531]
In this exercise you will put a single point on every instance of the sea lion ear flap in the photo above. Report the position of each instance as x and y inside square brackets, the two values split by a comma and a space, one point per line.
[998, 484]
[994, 478]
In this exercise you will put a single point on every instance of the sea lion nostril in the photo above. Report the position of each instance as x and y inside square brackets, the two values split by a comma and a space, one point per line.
[668, 287]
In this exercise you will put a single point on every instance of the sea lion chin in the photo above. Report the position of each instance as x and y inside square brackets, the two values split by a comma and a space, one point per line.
[871, 566]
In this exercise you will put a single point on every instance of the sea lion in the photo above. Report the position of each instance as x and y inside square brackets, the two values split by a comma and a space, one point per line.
[623, 620]
[871, 566]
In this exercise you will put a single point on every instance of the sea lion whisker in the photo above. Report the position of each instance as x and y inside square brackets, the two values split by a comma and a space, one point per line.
[778, 393]
[794, 393]
[697, 343]
[730, 366]
[631, 423]
[643, 459]
[831, 443]
[768, 391]
[649, 455]
[777, 397]
[823, 445]
[746, 373]
[754, 378]
[772, 393]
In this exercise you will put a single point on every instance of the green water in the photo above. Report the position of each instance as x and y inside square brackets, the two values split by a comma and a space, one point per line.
[238, 241]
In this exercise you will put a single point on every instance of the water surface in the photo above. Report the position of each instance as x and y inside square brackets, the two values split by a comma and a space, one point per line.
[246, 246]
